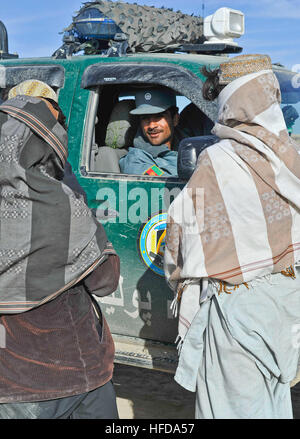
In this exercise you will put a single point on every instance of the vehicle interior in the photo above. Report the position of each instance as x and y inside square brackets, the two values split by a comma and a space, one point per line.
[115, 127]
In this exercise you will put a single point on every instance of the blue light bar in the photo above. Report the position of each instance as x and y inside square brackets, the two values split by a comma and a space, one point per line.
[91, 23]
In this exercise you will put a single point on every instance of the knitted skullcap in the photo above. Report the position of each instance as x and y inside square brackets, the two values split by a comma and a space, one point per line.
[33, 87]
[243, 65]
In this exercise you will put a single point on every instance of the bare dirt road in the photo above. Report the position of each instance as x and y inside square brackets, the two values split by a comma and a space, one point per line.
[149, 394]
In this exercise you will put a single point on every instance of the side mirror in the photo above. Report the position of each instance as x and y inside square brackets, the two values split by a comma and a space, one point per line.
[188, 152]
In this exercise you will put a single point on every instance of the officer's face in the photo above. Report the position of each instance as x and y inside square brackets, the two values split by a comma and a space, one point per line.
[159, 128]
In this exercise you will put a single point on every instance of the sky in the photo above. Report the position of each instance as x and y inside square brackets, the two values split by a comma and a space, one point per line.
[271, 26]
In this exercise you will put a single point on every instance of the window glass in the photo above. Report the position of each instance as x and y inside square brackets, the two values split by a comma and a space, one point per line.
[115, 129]
[290, 104]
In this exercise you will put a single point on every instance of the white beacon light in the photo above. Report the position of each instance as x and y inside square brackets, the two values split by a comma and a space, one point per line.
[224, 25]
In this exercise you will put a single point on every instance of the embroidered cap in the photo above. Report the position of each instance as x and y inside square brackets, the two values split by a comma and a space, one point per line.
[243, 65]
[33, 87]
[153, 101]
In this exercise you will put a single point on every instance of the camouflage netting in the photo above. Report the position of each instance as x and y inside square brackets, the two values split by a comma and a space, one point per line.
[150, 29]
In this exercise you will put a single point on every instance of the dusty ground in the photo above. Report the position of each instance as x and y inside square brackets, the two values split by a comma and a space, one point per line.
[148, 394]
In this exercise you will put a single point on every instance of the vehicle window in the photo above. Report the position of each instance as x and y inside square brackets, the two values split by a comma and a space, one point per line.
[290, 102]
[53, 75]
[291, 113]
[113, 130]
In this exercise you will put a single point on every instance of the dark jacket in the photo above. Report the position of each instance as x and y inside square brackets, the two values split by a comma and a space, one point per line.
[61, 347]
[141, 162]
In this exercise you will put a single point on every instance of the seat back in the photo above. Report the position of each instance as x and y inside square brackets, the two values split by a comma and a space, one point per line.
[188, 152]
[121, 127]
[107, 159]
[120, 133]
[194, 122]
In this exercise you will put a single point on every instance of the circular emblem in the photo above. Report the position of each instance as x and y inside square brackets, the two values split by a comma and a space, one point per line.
[148, 96]
[151, 242]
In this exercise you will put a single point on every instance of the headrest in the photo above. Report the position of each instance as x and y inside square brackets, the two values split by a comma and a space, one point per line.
[188, 152]
[122, 125]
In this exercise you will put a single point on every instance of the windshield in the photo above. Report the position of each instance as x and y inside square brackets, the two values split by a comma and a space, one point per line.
[290, 101]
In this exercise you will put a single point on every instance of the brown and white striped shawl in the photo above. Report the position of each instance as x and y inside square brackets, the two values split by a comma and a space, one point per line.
[249, 226]
[49, 239]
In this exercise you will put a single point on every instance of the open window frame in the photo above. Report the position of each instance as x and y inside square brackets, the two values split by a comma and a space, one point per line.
[117, 76]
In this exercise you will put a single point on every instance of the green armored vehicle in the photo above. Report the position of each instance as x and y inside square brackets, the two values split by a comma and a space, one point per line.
[96, 90]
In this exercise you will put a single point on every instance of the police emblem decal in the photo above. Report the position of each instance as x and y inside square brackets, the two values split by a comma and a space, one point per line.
[151, 242]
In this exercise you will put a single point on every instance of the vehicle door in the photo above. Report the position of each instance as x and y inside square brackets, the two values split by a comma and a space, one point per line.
[133, 208]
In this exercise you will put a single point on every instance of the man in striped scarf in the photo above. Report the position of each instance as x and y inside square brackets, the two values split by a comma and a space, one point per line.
[233, 263]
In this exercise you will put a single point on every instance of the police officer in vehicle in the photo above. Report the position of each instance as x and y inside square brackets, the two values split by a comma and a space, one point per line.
[155, 145]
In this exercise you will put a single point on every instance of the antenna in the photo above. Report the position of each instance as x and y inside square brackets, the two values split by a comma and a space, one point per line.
[4, 43]
[203, 1]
